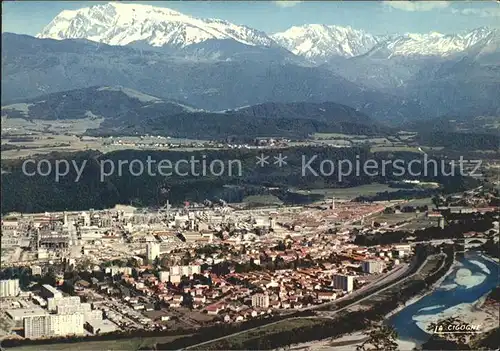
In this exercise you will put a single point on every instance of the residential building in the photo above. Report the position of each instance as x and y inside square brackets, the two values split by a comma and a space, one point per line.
[152, 251]
[39, 326]
[373, 266]
[48, 291]
[54, 303]
[260, 300]
[9, 288]
[343, 282]
[67, 324]
[185, 270]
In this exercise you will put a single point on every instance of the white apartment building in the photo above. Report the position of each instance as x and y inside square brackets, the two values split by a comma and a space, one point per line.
[53, 303]
[49, 325]
[373, 266]
[343, 282]
[260, 300]
[72, 308]
[53, 325]
[36, 326]
[9, 288]
[152, 251]
[92, 316]
[185, 270]
[67, 324]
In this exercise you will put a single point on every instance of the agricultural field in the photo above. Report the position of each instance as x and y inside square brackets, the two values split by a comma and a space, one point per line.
[44, 143]
[21, 126]
[397, 143]
[398, 148]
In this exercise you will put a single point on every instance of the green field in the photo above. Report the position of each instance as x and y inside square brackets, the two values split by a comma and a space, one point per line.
[349, 193]
[324, 136]
[132, 344]
[286, 325]
[383, 148]
[377, 144]
[44, 143]
[262, 199]
[421, 202]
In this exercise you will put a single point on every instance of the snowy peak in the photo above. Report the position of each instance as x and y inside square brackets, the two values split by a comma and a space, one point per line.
[122, 24]
[430, 44]
[319, 42]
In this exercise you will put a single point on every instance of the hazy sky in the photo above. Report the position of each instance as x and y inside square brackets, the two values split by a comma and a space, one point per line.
[378, 17]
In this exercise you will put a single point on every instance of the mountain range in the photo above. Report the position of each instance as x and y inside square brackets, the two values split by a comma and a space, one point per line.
[128, 112]
[216, 65]
[122, 24]
[128, 24]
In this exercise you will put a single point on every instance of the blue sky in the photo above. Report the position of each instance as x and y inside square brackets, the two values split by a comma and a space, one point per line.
[377, 17]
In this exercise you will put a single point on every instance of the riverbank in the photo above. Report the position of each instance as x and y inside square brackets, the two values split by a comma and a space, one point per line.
[408, 345]
[347, 342]
[420, 296]
[381, 304]
[460, 293]
[489, 258]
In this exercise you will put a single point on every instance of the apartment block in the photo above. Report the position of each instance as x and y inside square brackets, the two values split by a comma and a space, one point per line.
[373, 266]
[260, 300]
[48, 291]
[9, 288]
[343, 282]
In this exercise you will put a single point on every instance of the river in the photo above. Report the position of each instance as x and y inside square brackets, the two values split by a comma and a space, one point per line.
[471, 277]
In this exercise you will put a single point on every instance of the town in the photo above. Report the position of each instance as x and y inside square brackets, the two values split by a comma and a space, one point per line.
[125, 269]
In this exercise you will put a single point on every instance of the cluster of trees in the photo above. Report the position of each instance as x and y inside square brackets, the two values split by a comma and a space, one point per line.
[244, 128]
[381, 338]
[406, 209]
[42, 193]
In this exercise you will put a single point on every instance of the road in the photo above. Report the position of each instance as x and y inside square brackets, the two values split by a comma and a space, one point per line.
[396, 277]
[393, 275]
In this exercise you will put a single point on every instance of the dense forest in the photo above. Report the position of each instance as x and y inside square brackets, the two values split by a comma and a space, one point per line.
[94, 190]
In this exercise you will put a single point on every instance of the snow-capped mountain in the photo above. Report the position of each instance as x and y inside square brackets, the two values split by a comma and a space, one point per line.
[430, 44]
[122, 24]
[318, 42]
